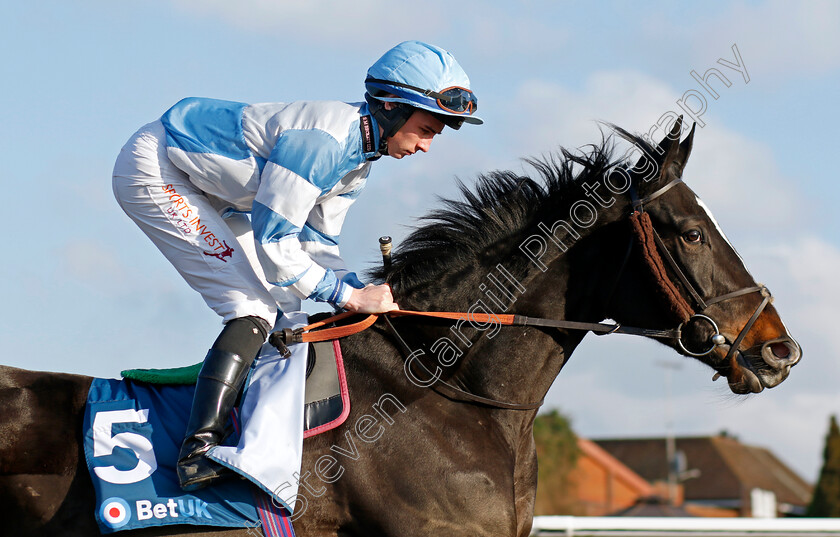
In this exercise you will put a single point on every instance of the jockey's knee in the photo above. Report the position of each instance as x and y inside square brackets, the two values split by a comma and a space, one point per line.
[243, 336]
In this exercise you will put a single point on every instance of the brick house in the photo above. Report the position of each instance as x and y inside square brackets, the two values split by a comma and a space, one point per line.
[729, 478]
[598, 485]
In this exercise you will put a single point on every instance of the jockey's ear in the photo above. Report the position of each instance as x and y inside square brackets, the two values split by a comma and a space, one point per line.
[388, 104]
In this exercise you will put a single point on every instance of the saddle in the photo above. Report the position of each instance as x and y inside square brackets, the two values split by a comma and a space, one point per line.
[326, 398]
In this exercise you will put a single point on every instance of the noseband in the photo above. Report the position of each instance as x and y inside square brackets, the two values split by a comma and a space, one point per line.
[654, 251]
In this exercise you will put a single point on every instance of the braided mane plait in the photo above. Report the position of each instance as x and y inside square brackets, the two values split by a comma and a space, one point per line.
[665, 288]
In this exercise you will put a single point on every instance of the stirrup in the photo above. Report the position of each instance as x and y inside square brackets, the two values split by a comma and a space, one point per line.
[198, 472]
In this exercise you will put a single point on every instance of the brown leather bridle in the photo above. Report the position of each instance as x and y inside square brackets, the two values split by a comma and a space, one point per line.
[701, 304]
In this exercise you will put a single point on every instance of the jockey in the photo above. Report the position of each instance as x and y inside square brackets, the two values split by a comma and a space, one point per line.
[247, 202]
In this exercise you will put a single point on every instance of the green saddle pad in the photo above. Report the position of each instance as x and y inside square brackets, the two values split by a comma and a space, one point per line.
[176, 375]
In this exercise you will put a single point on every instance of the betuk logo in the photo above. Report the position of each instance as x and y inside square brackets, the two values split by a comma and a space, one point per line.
[187, 508]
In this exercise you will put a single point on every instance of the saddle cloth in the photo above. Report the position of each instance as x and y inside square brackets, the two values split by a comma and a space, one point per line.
[131, 450]
[128, 442]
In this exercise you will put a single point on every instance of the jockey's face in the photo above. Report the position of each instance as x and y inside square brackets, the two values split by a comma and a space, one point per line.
[415, 135]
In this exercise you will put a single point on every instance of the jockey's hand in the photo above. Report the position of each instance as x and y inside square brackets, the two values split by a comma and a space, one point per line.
[372, 299]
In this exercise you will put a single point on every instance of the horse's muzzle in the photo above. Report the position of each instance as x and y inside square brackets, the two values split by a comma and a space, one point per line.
[763, 367]
[780, 355]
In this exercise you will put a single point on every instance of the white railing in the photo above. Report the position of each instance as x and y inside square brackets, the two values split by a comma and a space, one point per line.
[684, 527]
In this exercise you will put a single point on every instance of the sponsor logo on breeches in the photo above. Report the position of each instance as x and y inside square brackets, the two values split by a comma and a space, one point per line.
[227, 252]
[185, 217]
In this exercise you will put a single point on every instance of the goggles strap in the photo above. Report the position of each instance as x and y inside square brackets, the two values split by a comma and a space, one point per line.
[426, 92]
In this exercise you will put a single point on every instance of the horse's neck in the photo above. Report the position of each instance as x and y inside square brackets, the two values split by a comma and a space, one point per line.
[510, 363]
[514, 364]
[519, 364]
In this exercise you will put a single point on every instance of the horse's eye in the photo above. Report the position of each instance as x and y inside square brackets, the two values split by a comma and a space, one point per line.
[693, 236]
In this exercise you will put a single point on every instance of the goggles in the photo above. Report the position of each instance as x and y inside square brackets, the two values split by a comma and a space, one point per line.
[455, 100]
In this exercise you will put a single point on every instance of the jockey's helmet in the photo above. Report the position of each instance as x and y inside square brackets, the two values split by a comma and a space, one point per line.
[415, 75]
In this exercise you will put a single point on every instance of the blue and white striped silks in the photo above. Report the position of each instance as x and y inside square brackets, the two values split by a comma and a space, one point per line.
[295, 167]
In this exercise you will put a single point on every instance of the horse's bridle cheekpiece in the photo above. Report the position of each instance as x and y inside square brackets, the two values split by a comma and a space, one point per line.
[702, 304]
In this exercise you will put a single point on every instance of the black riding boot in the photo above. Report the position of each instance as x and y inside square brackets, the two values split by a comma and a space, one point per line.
[219, 382]
[222, 376]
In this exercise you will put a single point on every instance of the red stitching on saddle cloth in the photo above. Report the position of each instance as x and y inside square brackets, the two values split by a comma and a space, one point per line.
[666, 290]
[345, 397]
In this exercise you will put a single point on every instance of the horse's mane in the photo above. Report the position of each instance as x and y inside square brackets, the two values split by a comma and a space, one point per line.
[500, 205]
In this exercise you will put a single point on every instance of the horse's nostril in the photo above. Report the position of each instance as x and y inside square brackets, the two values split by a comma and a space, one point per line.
[780, 350]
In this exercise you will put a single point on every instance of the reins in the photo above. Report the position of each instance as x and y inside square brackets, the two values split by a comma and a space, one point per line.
[315, 332]
[311, 334]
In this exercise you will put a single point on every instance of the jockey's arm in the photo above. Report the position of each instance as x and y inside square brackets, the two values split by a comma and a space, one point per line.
[321, 243]
[289, 189]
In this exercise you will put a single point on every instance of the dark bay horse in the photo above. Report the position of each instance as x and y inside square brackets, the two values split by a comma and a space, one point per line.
[439, 440]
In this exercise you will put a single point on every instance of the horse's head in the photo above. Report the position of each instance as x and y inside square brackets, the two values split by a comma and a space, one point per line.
[725, 318]
[539, 249]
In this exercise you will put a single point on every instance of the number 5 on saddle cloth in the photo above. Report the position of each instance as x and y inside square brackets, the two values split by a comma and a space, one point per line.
[133, 429]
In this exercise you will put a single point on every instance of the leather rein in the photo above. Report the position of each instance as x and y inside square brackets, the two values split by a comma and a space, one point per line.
[316, 332]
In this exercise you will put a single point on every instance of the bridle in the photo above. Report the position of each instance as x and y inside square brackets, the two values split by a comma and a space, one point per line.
[656, 248]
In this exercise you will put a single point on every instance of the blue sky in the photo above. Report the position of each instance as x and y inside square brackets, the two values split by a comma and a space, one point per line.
[86, 292]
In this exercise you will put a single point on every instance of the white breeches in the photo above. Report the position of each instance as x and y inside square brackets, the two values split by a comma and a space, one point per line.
[215, 255]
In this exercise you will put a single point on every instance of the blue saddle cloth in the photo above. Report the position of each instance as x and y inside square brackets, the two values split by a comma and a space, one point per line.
[132, 433]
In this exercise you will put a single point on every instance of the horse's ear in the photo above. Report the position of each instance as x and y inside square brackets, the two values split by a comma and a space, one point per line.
[666, 145]
[685, 148]
[676, 153]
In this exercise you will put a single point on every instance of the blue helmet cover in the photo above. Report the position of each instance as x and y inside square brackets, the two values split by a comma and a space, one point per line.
[421, 65]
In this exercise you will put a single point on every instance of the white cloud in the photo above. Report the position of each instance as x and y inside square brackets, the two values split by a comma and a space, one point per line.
[321, 23]
[776, 37]
[802, 273]
[737, 177]
[90, 262]
[551, 114]
[804, 37]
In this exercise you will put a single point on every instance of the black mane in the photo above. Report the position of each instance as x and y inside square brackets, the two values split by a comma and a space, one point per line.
[500, 206]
